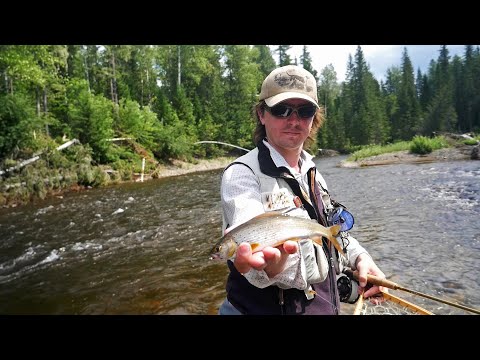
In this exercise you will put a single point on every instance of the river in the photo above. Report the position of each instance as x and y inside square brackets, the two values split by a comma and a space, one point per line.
[142, 248]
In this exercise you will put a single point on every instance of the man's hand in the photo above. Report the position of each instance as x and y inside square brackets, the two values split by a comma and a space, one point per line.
[365, 265]
[270, 259]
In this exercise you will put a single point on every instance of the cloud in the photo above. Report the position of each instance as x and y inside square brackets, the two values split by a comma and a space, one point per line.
[378, 57]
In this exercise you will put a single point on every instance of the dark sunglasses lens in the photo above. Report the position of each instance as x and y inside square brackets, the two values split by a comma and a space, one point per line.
[306, 111]
[281, 111]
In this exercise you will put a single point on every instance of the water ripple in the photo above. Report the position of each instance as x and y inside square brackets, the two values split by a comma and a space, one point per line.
[81, 255]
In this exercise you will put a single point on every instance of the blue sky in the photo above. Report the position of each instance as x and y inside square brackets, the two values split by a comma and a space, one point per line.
[379, 57]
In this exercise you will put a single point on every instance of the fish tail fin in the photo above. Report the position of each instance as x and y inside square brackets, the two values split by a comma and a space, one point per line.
[334, 230]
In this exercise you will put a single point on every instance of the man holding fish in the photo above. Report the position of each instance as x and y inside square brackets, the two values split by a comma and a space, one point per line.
[282, 249]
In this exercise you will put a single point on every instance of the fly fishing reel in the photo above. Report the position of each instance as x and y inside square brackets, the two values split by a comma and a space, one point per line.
[340, 216]
[347, 289]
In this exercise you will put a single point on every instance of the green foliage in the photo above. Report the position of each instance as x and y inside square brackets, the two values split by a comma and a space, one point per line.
[471, 141]
[140, 124]
[372, 150]
[264, 59]
[418, 145]
[421, 145]
[167, 97]
[241, 83]
[57, 160]
[100, 177]
[86, 174]
[17, 123]
[91, 120]
[406, 119]
[283, 56]
[183, 106]
[206, 130]
[424, 145]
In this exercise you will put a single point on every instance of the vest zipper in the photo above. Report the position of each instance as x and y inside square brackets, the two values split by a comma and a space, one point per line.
[281, 301]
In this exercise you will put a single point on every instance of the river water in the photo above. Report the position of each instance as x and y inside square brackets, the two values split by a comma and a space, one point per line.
[142, 248]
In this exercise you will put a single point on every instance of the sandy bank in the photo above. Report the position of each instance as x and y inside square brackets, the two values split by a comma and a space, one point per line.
[180, 167]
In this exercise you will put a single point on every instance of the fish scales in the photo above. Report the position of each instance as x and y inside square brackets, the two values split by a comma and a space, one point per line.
[272, 229]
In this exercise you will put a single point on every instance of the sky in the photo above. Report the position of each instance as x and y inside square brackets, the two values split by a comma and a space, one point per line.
[378, 57]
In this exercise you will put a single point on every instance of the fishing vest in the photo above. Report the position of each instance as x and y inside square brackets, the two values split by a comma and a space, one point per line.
[280, 189]
[277, 192]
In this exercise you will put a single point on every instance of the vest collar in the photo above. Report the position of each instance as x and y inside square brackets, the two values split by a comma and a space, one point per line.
[268, 166]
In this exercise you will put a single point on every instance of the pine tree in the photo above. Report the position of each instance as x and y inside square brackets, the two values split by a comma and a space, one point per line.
[306, 62]
[408, 117]
[283, 57]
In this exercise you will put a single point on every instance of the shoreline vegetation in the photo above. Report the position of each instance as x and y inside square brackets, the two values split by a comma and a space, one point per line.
[419, 150]
[455, 153]
[175, 168]
[131, 109]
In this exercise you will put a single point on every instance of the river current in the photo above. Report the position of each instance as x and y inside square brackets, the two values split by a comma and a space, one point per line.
[142, 248]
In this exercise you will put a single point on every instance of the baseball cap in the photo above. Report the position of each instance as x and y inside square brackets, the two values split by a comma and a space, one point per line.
[288, 82]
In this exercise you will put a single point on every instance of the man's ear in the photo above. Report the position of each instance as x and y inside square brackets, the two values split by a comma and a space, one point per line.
[260, 113]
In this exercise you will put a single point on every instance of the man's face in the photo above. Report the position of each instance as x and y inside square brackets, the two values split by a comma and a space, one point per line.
[288, 130]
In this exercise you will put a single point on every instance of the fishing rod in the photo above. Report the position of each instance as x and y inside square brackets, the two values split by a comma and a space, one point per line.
[374, 280]
[221, 143]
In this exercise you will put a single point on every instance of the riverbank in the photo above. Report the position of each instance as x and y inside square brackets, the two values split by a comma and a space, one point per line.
[181, 167]
[445, 154]
[175, 168]
[178, 167]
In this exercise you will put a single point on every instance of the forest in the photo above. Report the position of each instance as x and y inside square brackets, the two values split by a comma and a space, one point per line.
[124, 103]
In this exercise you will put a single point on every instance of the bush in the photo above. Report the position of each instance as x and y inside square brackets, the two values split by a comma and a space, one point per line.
[424, 145]
[421, 145]
[471, 142]
[85, 174]
[101, 178]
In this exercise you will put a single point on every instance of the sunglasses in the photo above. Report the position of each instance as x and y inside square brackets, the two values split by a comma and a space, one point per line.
[284, 111]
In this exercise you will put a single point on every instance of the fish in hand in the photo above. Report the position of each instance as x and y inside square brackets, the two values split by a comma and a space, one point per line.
[273, 229]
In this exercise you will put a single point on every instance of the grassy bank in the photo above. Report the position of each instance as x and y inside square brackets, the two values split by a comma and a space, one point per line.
[419, 150]
[419, 145]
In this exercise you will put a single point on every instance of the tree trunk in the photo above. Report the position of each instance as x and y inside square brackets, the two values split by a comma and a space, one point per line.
[45, 109]
[37, 93]
[179, 63]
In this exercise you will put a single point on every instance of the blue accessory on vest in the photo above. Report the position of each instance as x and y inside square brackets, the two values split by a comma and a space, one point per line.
[342, 217]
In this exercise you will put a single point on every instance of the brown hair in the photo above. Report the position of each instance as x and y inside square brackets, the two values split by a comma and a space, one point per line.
[260, 132]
